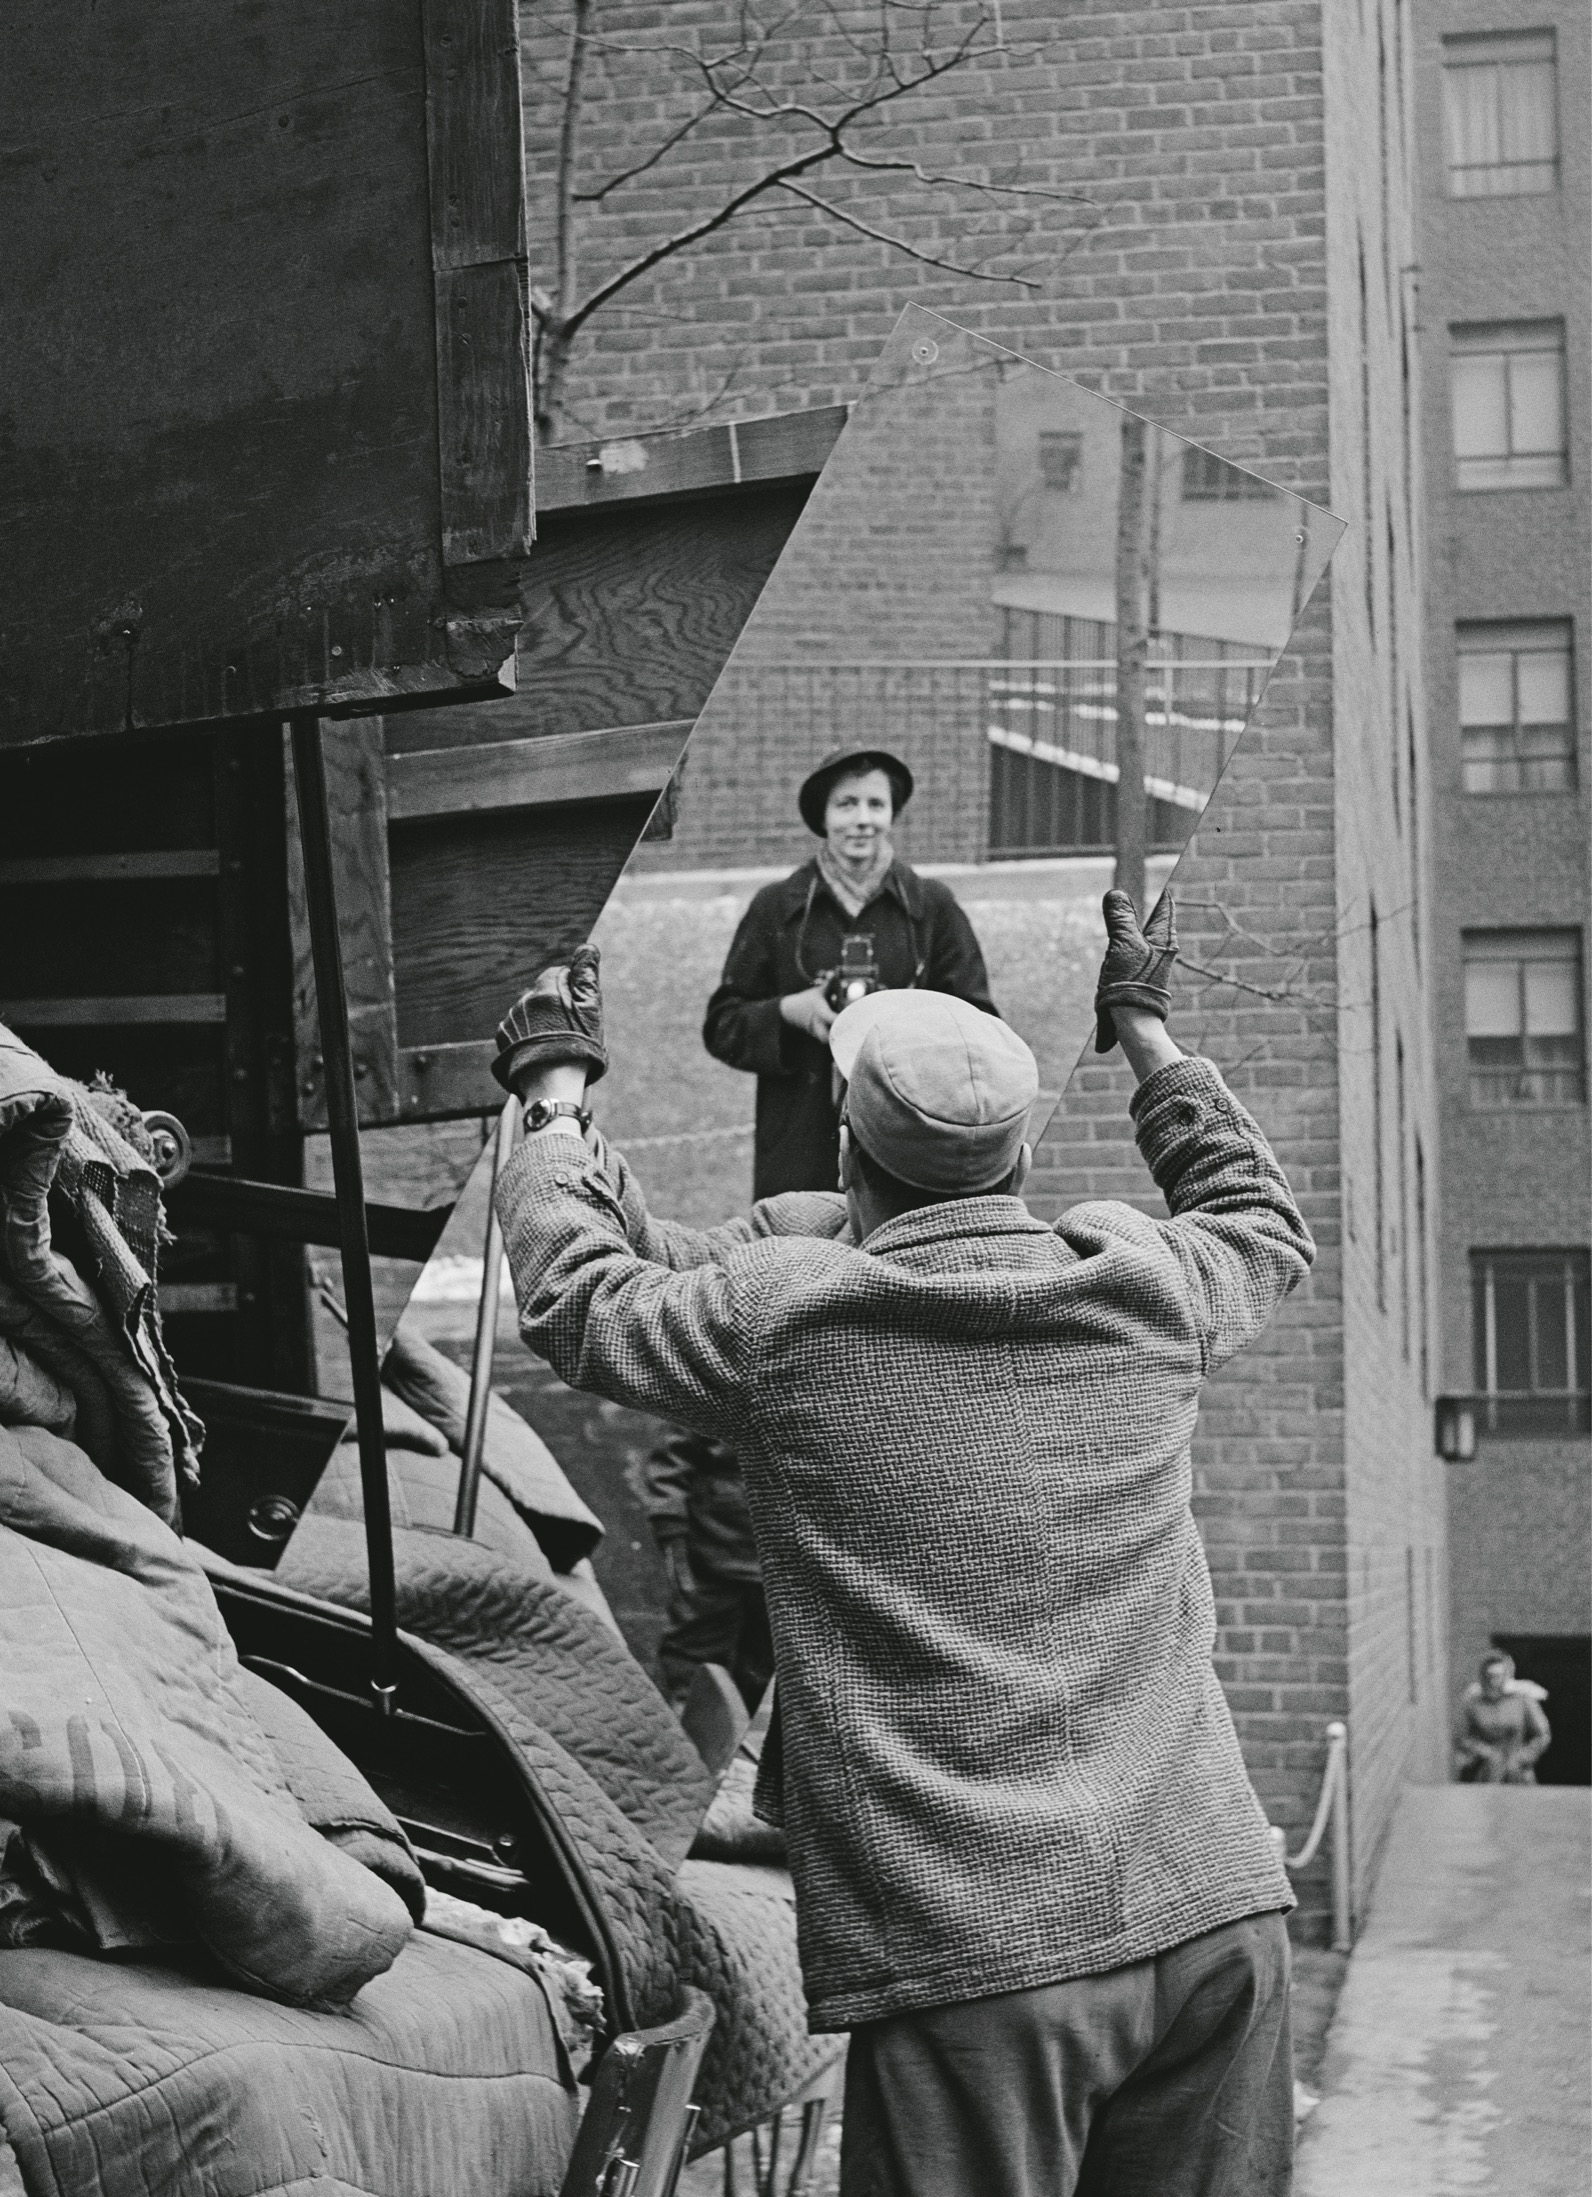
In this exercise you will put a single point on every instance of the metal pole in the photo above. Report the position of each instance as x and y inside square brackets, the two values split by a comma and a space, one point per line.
[486, 1319]
[1338, 1771]
[342, 1119]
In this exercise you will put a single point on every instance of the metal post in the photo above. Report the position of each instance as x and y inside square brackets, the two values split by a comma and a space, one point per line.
[342, 1118]
[1338, 1771]
[486, 1320]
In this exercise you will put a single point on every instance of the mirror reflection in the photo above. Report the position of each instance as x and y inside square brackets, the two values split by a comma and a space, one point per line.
[1006, 654]
[1023, 599]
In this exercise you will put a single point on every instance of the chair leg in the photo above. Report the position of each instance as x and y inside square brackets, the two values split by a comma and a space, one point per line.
[814, 2114]
[693, 2114]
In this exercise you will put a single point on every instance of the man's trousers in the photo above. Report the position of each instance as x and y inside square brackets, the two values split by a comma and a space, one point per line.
[1169, 2078]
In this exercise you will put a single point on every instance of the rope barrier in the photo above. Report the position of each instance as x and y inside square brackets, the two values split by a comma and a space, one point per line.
[1332, 1809]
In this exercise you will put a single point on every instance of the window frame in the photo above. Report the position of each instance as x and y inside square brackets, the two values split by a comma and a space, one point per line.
[1489, 471]
[1538, 1409]
[1537, 1087]
[1516, 638]
[1206, 478]
[1499, 51]
[1066, 443]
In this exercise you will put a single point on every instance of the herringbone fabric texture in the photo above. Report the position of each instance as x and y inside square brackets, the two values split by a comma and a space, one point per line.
[1006, 1756]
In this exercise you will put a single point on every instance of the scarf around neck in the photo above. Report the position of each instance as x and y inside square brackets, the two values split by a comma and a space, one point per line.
[854, 894]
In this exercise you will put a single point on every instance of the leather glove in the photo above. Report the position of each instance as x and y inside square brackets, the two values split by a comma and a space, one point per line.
[1137, 970]
[559, 1019]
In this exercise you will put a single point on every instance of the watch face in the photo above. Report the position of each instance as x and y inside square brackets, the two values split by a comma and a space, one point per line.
[541, 1111]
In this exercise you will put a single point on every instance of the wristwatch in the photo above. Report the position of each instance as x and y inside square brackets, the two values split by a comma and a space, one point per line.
[540, 1111]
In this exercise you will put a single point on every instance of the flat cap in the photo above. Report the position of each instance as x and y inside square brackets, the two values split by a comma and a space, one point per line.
[937, 1092]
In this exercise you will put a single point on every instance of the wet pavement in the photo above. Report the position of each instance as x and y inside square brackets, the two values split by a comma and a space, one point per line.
[1460, 2056]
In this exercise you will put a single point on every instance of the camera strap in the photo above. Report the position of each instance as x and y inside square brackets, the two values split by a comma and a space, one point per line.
[818, 976]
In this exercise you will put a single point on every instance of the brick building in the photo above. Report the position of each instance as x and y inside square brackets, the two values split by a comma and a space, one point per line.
[1239, 273]
[1506, 269]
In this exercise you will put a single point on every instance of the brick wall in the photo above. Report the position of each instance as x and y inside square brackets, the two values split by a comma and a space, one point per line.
[1396, 1544]
[1217, 290]
[1522, 1512]
[889, 567]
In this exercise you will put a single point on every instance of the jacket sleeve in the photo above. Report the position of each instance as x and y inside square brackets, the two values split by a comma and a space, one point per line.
[1235, 1232]
[674, 1244]
[956, 960]
[605, 1318]
[743, 1026]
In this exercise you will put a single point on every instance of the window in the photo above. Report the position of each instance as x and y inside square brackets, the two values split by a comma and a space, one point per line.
[1508, 387]
[1530, 1337]
[1060, 461]
[1523, 1018]
[1514, 708]
[1500, 115]
[1210, 479]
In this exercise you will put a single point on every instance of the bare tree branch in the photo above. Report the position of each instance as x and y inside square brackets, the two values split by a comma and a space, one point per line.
[900, 244]
[900, 48]
[1293, 994]
[683, 238]
[659, 152]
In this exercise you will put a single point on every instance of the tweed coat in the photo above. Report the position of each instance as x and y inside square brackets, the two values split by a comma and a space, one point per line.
[1004, 1756]
[790, 933]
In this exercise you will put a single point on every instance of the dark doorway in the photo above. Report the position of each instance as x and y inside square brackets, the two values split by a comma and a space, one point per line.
[1562, 1662]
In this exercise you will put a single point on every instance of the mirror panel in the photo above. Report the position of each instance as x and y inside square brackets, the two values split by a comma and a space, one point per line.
[1033, 599]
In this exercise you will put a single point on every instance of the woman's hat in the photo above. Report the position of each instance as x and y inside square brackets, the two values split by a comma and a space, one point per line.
[814, 796]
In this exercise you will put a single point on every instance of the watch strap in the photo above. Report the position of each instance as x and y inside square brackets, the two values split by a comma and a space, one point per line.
[540, 1112]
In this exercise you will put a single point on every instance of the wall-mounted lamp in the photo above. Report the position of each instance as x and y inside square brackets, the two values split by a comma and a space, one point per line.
[1456, 1429]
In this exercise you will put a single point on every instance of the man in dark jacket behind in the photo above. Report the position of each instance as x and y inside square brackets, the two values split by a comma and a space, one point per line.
[1032, 1878]
[696, 1506]
[770, 1014]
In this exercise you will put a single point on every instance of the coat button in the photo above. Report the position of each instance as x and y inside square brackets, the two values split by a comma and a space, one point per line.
[562, 1180]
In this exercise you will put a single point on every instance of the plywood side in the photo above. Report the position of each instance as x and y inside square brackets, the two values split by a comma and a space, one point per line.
[223, 494]
[481, 902]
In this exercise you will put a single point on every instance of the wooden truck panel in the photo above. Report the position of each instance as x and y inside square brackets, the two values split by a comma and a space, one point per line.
[264, 357]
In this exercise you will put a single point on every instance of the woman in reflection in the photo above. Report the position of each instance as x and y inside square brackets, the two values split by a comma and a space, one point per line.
[855, 919]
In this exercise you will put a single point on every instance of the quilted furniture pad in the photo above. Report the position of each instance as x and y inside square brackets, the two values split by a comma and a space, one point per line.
[122, 2080]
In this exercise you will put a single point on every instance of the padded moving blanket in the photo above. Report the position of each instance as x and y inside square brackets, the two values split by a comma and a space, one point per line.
[132, 1757]
[628, 1787]
[445, 2078]
[97, 1332]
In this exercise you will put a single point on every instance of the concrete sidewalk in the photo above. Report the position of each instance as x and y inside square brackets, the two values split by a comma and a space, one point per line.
[1459, 2058]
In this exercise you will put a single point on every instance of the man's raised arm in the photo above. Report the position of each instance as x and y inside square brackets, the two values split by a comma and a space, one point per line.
[636, 1309]
[605, 1319]
[1235, 1231]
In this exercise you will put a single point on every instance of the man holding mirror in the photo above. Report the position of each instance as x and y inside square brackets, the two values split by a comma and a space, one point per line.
[1032, 1879]
[855, 919]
